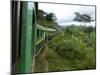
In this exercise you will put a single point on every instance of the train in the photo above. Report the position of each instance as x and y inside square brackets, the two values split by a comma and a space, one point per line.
[27, 36]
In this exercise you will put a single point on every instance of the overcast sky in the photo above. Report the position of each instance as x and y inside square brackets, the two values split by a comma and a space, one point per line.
[65, 13]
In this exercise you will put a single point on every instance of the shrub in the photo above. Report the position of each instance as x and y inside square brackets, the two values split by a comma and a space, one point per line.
[70, 49]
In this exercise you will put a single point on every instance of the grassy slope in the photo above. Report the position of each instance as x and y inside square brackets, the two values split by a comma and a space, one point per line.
[57, 63]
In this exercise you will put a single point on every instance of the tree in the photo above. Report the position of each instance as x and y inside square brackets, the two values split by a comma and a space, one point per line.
[41, 14]
[78, 17]
[87, 18]
[46, 19]
[83, 18]
[41, 17]
[50, 17]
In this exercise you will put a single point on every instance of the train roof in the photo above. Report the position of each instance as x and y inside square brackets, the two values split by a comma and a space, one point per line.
[44, 28]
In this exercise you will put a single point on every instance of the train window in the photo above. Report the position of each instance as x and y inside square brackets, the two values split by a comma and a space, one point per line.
[37, 33]
[41, 33]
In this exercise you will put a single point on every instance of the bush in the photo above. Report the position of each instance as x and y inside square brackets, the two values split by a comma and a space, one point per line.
[70, 49]
[77, 47]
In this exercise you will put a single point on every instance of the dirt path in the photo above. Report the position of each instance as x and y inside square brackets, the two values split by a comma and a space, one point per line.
[41, 63]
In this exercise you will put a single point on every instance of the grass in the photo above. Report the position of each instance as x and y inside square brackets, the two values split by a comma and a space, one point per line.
[57, 63]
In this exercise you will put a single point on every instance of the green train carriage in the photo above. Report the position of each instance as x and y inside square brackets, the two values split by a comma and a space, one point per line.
[27, 36]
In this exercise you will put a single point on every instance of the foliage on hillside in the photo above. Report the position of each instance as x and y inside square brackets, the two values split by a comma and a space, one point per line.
[76, 46]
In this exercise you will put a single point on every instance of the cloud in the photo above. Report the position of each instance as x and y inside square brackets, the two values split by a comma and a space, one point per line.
[65, 13]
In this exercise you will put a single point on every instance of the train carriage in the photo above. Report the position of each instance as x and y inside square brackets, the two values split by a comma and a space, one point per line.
[27, 36]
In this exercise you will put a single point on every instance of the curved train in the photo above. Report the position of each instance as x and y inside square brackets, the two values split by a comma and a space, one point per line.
[27, 36]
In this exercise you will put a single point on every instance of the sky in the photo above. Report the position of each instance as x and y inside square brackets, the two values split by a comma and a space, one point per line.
[65, 13]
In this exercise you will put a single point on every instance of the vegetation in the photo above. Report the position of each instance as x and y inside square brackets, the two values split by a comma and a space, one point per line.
[83, 18]
[46, 19]
[73, 47]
